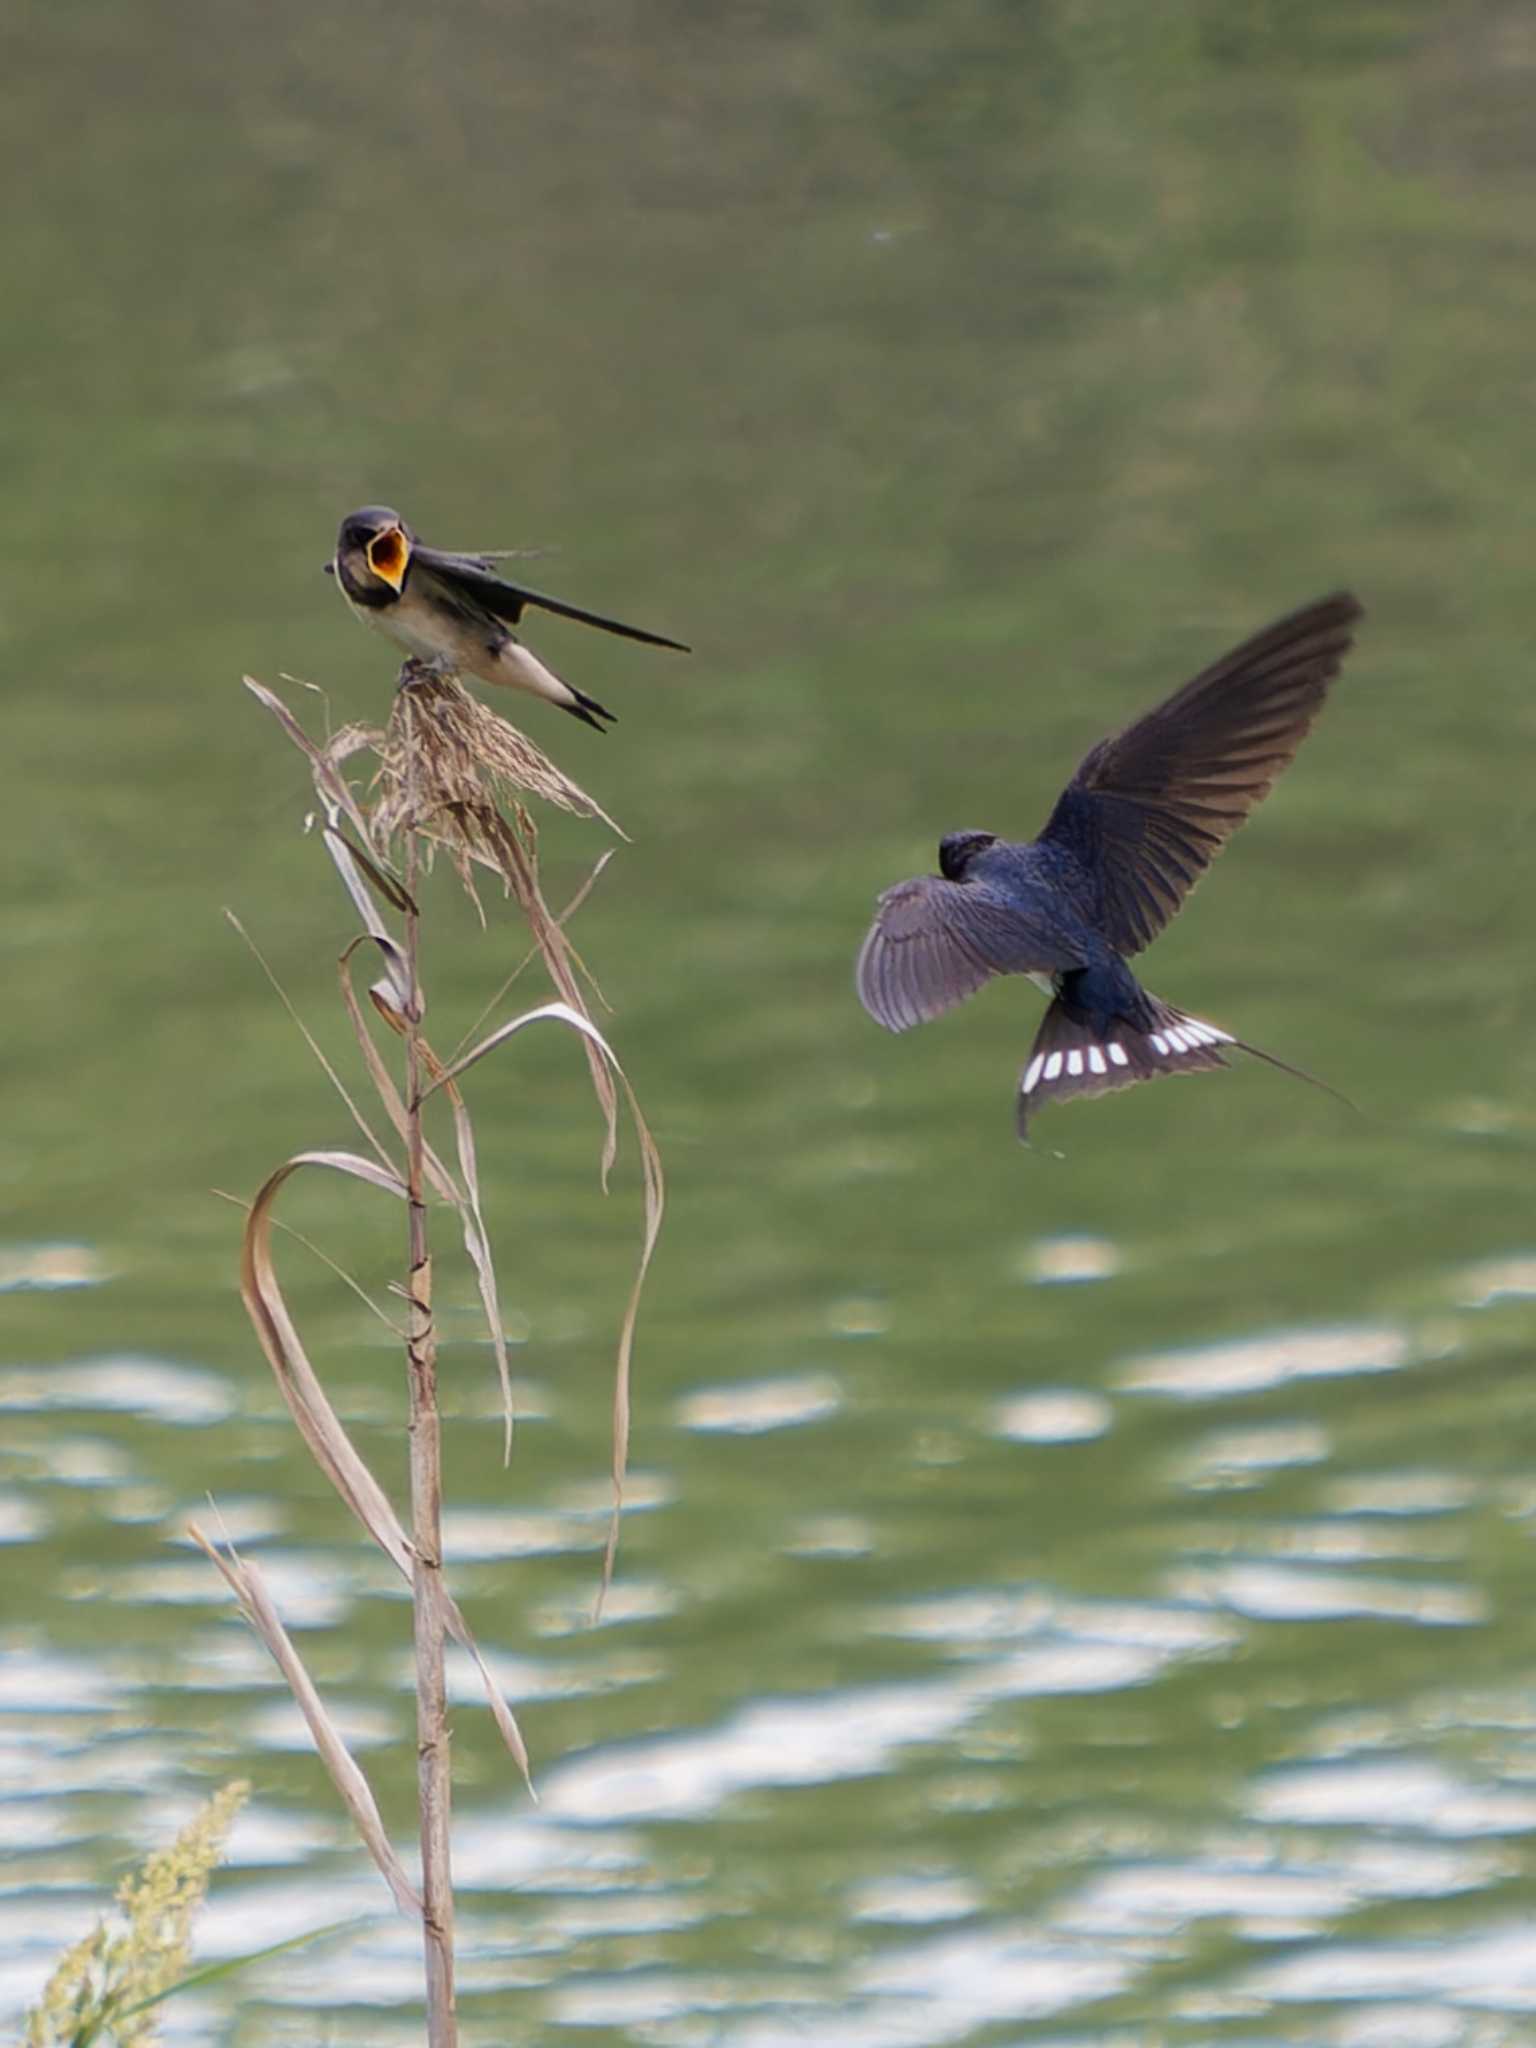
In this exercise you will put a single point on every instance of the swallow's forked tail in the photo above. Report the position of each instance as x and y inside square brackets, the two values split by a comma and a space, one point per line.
[1073, 1056]
[520, 667]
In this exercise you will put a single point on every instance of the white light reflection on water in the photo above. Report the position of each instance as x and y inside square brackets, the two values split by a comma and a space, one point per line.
[1493, 1969]
[943, 1989]
[362, 1724]
[129, 1386]
[525, 1679]
[1251, 1365]
[751, 1407]
[34, 1678]
[1069, 1261]
[916, 1901]
[1495, 1280]
[770, 1742]
[1277, 1592]
[1054, 1415]
[1400, 1493]
[1271, 1894]
[81, 1461]
[21, 1521]
[311, 1590]
[49, 1268]
[856, 1733]
[1234, 1459]
[1403, 1792]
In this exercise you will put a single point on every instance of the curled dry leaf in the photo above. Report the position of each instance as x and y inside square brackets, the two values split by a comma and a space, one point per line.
[318, 1423]
[249, 1588]
[464, 1200]
[655, 1202]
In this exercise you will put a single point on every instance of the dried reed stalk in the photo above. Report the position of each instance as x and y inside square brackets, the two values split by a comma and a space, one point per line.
[434, 1776]
[451, 774]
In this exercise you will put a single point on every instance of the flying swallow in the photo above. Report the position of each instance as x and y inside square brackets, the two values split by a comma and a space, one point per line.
[1141, 820]
[456, 612]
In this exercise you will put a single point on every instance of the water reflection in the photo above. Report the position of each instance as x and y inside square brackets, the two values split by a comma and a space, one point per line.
[1254, 1364]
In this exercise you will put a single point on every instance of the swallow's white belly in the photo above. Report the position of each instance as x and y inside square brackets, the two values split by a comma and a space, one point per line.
[426, 634]
[436, 637]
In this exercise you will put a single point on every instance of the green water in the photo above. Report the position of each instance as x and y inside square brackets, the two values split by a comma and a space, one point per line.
[1142, 1658]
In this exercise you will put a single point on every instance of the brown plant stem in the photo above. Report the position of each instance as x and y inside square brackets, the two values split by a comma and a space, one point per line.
[434, 1783]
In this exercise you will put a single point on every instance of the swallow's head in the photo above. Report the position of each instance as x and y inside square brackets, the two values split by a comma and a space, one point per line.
[373, 552]
[958, 849]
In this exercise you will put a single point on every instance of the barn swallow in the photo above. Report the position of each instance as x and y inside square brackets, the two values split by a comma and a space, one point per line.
[456, 612]
[1144, 816]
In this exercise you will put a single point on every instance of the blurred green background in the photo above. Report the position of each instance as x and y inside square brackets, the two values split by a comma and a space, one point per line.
[1077, 1594]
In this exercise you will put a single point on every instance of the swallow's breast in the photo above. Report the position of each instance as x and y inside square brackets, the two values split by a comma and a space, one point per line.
[430, 632]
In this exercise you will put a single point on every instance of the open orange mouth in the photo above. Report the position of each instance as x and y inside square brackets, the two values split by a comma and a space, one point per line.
[388, 556]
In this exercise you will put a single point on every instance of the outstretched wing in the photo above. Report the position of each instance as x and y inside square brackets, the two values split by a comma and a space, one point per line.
[933, 943]
[1149, 809]
[472, 578]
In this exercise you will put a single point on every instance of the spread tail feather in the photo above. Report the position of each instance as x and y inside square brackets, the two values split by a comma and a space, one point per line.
[1073, 1056]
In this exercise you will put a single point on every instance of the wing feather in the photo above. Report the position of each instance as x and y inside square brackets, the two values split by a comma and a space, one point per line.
[935, 942]
[471, 578]
[1149, 809]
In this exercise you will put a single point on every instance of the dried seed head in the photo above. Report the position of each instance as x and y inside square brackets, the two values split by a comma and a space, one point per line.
[447, 766]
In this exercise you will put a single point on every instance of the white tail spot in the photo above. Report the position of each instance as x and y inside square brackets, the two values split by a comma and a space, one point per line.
[1074, 1061]
[1208, 1034]
[1119, 1055]
[1096, 1060]
[1160, 1044]
[1053, 1066]
[1032, 1071]
[1180, 1041]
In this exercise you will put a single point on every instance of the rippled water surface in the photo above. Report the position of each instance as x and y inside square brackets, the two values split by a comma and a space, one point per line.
[1068, 1595]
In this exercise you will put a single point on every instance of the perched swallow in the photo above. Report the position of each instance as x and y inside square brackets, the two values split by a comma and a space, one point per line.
[1141, 820]
[456, 612]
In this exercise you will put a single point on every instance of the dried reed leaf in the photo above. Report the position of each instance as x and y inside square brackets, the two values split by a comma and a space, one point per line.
[332, 788]
[249, 1588]
[466, 1205]
[560, 964]
[314, 1045]
[655, 1203]
[394, 892]
[562, 919]
[317, 1251]
[396, 966]
[477, 1241]
[320, 1425]
[384, 1083]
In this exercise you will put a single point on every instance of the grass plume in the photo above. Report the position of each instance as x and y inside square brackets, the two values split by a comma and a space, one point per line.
[109, 1985]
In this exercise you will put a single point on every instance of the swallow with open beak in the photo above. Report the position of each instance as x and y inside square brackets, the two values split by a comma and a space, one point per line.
[1141, 820]
[456, 613]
